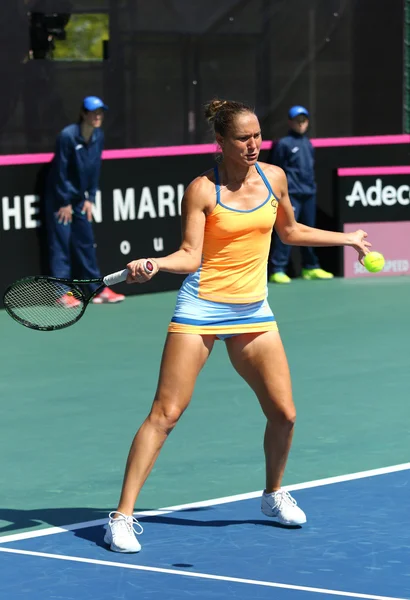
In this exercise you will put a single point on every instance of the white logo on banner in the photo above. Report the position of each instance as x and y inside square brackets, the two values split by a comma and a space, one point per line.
[394, 266]
[97, 208]
[167, 203]
[377, 195]
[125, 247]
[22, 212]
[15, 211]
[158, 244]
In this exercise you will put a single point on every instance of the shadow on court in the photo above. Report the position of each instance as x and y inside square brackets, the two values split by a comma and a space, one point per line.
[55, 517]
[36, 519]
[96, 534]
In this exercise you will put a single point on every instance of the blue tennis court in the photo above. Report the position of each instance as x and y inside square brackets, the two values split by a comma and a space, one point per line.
[356, 544]
[63, 448]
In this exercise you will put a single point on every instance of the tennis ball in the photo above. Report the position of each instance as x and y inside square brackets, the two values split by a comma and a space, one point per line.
[374, 262]
[70, 294]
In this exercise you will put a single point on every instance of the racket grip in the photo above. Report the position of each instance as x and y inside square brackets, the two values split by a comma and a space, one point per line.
[117, 277]
[121, 276]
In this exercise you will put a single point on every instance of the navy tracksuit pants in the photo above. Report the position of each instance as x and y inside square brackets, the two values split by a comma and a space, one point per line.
[71, 247]
[305, 212]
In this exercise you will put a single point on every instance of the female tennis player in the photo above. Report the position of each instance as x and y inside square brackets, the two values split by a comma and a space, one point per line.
[227, 217]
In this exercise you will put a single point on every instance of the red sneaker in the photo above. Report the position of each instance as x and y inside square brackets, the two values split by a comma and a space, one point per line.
[107, 296]
[69, 301]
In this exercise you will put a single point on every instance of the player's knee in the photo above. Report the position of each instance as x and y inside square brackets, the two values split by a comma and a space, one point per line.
[290, 417]
[285, 416]
[165, 416]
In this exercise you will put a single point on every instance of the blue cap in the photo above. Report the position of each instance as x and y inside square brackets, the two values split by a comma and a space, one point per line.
[295, 111]
[93, 103]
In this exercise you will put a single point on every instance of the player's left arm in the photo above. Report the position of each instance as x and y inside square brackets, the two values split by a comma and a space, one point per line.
[295, 234]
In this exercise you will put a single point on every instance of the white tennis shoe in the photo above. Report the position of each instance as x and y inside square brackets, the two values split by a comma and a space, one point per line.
[120, 533]
[281, 507]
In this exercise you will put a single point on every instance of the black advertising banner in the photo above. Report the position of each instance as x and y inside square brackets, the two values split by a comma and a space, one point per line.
[377, 200]
[22, 239]
[137, 208]
[136, 214]
[374, 194]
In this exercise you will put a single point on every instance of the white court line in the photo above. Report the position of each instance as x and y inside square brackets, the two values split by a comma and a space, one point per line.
[284, 586]
[204, 503]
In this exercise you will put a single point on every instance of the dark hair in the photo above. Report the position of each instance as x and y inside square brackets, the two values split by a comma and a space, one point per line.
[221, 113]
[81, 114]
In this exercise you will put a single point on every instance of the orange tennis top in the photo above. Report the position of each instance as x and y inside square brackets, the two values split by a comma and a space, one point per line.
[235, 251]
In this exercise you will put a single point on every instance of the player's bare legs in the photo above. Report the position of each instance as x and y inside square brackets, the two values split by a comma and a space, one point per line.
[261, 360]
[183, 358]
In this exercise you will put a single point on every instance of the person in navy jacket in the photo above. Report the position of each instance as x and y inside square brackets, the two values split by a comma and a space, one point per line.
[71, 187]
[294, 153]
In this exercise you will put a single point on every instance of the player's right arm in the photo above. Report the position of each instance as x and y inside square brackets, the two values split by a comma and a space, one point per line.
[196, 204]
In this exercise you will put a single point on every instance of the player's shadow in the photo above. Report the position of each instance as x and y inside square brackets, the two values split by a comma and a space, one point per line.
[18, 520]
[92, 520]
[96, 534]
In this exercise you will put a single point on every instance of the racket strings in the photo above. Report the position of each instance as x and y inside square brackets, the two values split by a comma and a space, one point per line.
[44, 303]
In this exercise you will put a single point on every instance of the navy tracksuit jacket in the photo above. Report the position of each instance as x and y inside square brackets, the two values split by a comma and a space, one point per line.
[73, 178]
[294, 153]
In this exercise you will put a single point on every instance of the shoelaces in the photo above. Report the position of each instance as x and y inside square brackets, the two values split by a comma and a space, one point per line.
[127, 521]
[283, 497]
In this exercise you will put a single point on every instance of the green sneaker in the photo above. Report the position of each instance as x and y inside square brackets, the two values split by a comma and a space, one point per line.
[316, 274]
[279, 278]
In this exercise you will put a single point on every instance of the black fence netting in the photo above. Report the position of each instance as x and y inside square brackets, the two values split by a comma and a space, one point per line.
[343, 59]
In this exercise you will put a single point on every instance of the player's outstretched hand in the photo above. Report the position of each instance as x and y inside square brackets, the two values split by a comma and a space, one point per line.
[358, 241]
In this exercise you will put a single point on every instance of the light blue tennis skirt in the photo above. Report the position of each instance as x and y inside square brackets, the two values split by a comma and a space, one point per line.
[196, 315]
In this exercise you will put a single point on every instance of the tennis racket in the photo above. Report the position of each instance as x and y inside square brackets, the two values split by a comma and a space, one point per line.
[49, 303]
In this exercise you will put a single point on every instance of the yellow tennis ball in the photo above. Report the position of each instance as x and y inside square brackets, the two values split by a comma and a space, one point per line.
[374, 262]
[70, 294]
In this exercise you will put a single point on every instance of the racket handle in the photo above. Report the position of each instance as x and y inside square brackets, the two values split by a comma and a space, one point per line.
[121, 276]
[117, 277]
